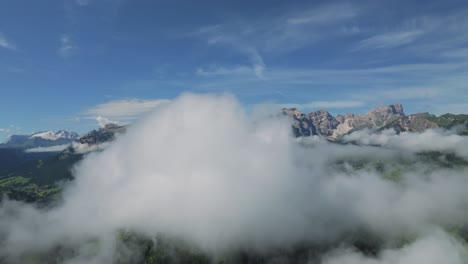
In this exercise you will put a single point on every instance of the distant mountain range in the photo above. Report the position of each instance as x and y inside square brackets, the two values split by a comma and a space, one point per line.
[33, 176]
[40, 139]
[322, 123]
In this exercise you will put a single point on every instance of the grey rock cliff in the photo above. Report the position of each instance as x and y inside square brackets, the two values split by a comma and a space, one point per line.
[322, 123]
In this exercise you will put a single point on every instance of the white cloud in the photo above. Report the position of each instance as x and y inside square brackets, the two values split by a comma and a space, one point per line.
[8, 131]
[324, 15]
[389, 40]
[456, 53]
[326, 105]
[427, 87]
[278, 34]
[124, 110]
[83, 2]
[218, 37]
[220, 71]
[350, 30]
[403, 93]
[411, 93]
[453, 108]
[256, 70]
[258, 65]
[434, 248]
[5, 43]
[429, 140]
[83, 148]
[102, 121]
[48, 149]
[67, 46]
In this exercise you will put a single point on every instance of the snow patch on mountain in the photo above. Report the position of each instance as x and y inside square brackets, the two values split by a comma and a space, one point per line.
[54, 135]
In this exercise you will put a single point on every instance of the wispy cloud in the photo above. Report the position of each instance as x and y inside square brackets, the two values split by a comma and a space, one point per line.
[350, 30]
[218, 35]
[460, 53]
[258, 65]
[48, 149]
[67, 46]
[5, 130]
[324, 15]
[453, 108]
[83, 2]
[326, 104]
[411, 93]
[8, 131]
[125, 110]
[278, 34]
[5, 43]
[221, 71]
[421, 87]
[389, 40]
[432, 35]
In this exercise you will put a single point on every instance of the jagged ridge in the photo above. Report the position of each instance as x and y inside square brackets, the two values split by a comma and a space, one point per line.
[322, 123]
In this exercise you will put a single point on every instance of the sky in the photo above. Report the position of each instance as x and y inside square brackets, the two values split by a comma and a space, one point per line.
[73, 64]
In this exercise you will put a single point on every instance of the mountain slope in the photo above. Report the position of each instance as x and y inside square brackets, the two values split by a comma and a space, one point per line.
[36, 177]
[40, 139]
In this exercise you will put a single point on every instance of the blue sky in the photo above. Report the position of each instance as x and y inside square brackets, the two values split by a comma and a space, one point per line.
[63, 63]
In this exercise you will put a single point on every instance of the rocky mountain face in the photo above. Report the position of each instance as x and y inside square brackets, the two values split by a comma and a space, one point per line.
[322, 123]
[105, 134]
[315, 123]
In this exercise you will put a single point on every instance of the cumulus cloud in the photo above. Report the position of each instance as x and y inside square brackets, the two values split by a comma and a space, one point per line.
[102, 121]
[202, 169]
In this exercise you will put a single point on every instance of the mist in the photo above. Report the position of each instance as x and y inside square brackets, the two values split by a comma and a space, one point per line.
[205, 170]
[429, 140]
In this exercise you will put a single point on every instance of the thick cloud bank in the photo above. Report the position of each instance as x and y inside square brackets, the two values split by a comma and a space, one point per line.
[201, 169]
[429, 140]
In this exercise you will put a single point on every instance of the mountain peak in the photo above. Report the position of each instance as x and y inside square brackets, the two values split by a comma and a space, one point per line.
[293, 112]
[320, 112]
[395, 109]
[322, 123]
[54, 135]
